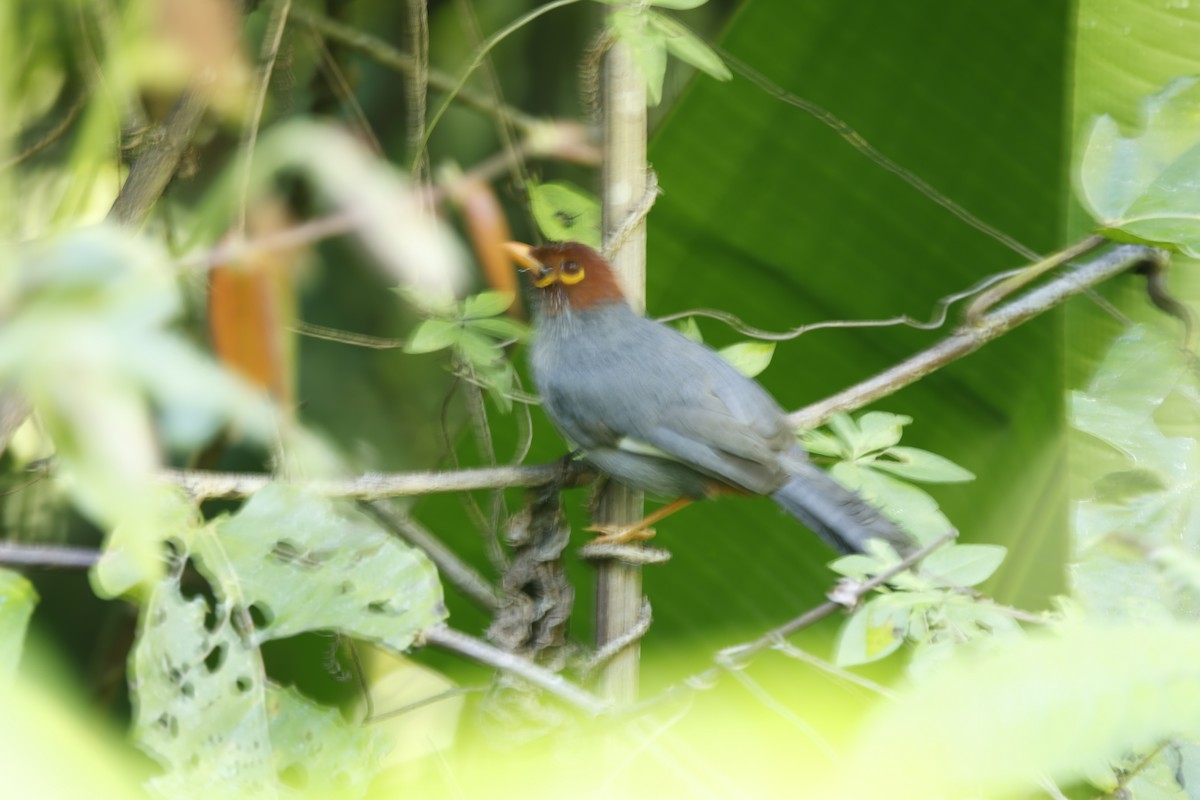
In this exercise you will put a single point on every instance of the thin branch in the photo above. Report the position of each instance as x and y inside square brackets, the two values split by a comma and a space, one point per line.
[937, 318]
[272, 39]
[452, 568]
[447, 638]
[48, 555]
[51, 136]
[203, 485]
[480, 55]
[855, 140]
[153, 170]
[990, 326]
[449, 694]
[383, 53]
[847, 594]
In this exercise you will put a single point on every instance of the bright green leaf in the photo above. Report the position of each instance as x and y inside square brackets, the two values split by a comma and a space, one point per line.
[914, 464]
[749, 358]
[479, 351]
[845, 428]
[17, 599]
[690, 328]
[487, 304]
[879, 430]
[686, 46]
[964, 564]
[628, 25]
[906, 505]
[434, 334]
[503, 328]
[872, 632]
[564, 212]
[822, 444]
[1144, 186]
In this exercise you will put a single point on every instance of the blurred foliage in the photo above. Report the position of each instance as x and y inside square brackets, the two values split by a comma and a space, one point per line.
[771, 210]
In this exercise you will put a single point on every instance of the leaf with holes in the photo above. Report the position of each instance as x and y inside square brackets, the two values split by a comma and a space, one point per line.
[306, 563]
[199, 700]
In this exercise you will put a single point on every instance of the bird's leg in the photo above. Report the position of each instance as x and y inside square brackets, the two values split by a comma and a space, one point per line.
[619, 534]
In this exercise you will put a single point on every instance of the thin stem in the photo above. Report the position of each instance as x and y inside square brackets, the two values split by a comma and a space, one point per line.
[480, 55]
[383, 53]
[272, 39]
[46, 555]
[848, 595]
[458, 642]
[452, 568]
[51, 136]
[990, 326]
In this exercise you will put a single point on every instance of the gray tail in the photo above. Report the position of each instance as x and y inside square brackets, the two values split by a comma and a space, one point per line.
[839, 516]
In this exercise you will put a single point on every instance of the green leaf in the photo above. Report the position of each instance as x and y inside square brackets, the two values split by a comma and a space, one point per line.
[308, 563]
[628, 25]
[1041, 706]
[479, 351]
[17, 599]
[686, 46]
[906, 505]
[502, 328]
[690, 328]
[487, 304]
[845, 428]
[434, 334]
[199, 703]
[335, 758]
[564, 212]
[1143, 186]
[879, 430]
[873, 632]
[749, 358]
[964, 564]
[823, 444]
[857, 566]
[132, 557]
[914, 464]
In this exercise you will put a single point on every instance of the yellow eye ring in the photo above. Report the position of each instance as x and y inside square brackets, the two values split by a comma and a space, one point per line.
[571, 278]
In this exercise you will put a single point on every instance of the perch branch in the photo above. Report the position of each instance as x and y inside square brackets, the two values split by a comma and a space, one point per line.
[153, 170]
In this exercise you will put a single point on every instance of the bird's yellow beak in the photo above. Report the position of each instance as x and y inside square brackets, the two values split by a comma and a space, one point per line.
[521, 253]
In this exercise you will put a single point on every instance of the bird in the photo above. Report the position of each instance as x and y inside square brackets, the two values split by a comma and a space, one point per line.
[661, 413]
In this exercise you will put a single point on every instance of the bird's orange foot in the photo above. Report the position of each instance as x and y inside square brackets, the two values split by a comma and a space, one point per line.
[620, 534]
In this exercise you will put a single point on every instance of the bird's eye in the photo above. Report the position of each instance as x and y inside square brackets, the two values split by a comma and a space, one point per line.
[570, 267]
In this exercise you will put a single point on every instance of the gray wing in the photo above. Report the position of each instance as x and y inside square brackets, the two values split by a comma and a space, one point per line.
[693, 406]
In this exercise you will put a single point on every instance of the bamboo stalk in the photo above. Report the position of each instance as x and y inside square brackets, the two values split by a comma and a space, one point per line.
[619, 585]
